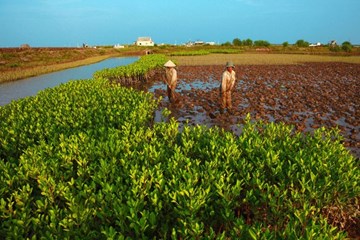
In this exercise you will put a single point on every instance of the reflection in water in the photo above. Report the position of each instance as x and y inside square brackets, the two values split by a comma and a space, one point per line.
[30, 86]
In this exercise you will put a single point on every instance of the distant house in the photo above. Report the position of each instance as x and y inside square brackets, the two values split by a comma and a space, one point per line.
[199, 42]
[144, 41]
[119, 46]
[318, 44]
[332, 43]
[25, 45]
[210, 43]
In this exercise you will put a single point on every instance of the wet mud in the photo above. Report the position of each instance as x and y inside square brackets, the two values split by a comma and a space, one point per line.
[307, 96]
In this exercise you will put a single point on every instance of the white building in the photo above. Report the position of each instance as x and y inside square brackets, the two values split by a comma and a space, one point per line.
[318, 44]
[144, 41]
[119, 46]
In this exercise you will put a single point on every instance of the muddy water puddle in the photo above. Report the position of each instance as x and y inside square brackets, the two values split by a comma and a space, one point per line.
[307, 96]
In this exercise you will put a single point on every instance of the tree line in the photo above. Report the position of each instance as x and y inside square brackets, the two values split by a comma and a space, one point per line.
[345, 46]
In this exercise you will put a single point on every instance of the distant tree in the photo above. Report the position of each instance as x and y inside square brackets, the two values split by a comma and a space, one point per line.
[247, 42]
[285, 44]
[237, 42]
[261, 43]
[226, 44]
[346, 46]
[302, 43]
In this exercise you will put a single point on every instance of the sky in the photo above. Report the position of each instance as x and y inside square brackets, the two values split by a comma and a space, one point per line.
[70, 23]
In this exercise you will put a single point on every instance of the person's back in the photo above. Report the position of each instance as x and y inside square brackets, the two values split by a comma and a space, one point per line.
[171, 79]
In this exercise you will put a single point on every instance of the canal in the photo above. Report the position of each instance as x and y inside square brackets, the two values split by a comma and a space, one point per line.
[14, 90]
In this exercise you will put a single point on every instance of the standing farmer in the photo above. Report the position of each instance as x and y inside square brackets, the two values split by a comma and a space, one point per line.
[170, 79]
[227, 85]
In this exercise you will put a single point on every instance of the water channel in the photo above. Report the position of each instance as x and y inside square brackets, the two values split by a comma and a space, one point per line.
[10, 91]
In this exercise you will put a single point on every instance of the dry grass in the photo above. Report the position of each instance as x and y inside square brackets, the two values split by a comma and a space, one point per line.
[260, 59]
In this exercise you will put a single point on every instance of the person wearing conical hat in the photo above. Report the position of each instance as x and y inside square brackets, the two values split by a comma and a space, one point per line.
[228, 79]
[170, 79]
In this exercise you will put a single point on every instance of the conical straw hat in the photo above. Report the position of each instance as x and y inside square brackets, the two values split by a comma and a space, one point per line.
[169, 64]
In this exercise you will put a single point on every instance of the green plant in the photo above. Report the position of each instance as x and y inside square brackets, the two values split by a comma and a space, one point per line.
[302, 43]
[137, 72]
[237, 42]
[346, 46]
[247, 42]
[261, 43]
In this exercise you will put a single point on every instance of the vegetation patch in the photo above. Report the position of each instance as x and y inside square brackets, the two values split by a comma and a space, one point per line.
[135, 73]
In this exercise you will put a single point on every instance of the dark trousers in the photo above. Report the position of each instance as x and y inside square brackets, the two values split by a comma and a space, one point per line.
[171, 94]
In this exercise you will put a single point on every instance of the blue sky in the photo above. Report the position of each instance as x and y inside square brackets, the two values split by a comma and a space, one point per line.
[67, 23]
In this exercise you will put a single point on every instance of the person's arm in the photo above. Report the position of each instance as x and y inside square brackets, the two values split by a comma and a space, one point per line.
[224, 82]
[233, 80]
[165, 77]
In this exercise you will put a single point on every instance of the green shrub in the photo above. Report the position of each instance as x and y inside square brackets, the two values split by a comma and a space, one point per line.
[104, 172]
[302, 43]
[138, 72]
[237, 42]
[261, 43]
[346, 46]
[335, 48]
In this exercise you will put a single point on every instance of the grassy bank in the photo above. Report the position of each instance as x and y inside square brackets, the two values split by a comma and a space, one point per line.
[35, 71]
[22, 63]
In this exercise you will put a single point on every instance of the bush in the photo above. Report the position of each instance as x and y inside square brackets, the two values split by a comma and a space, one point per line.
[83, 161]
[302, 43]
[227, 44]
[237, 42]
[261, 43]
[247, 42]
[335, 48]
[346, 46]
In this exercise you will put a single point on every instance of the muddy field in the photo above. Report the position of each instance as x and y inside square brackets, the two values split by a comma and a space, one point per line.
[306, 96]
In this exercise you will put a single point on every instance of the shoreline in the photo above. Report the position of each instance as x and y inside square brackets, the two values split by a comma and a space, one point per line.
[9, 76]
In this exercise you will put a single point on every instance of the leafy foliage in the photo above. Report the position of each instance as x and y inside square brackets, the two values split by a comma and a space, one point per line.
[261, 43]
[302, 43]
[137, 72]
[346, 46]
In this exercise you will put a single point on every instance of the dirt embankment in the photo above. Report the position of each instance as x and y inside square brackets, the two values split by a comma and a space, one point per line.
[18, 63]
[21, 58]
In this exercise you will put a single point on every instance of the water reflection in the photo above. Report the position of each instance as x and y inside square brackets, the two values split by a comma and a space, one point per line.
[31, 86]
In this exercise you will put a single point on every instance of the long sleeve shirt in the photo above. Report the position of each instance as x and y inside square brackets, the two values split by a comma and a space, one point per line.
[228, 81]
[171, 77]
